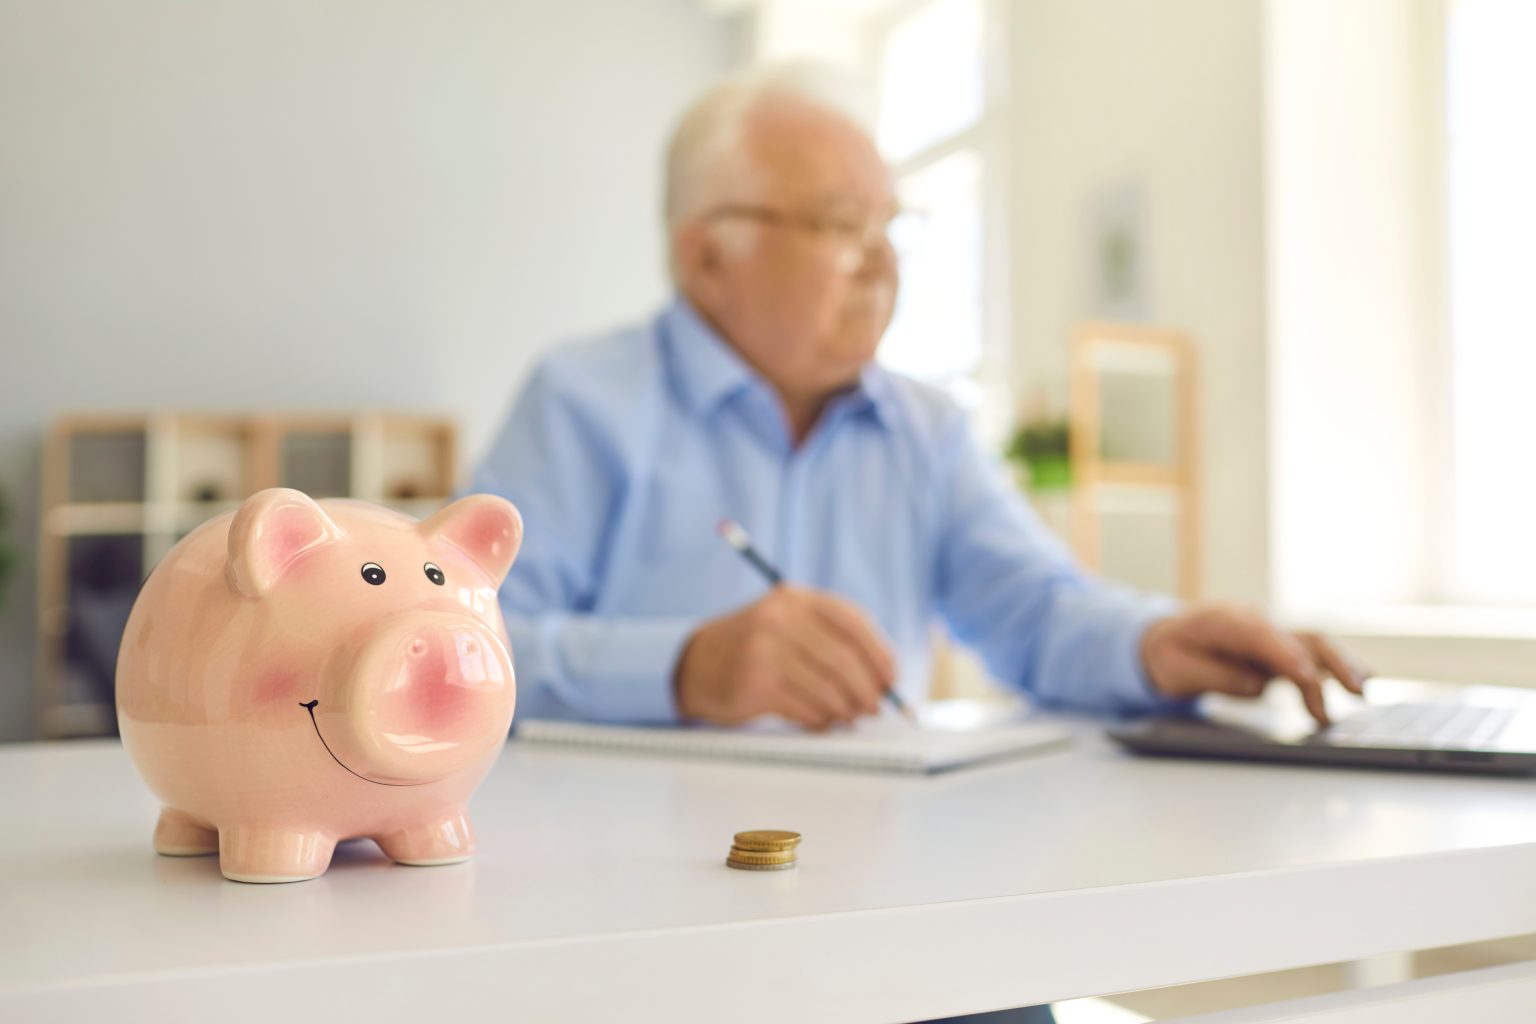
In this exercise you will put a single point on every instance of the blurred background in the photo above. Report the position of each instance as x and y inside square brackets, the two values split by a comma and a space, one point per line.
[1234, 286]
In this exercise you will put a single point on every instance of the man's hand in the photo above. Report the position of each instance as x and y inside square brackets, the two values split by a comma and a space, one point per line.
[801, 654]
[1230, 650]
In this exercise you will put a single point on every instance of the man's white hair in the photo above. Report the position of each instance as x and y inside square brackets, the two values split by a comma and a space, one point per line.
[706, 153]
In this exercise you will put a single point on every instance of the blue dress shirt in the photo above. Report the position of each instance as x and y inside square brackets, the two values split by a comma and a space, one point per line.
[624, 452]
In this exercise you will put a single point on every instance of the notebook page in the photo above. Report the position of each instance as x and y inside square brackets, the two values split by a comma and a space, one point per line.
[877, 744]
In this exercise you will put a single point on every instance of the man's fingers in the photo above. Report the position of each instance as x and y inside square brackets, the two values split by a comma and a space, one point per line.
[789, 704]
[1248, 637]
[814, 685]
[1312, 696]
[826, 654]
[841, 667]
[1331, 658]
[851, 621]
[837, 641]
[1205, 671]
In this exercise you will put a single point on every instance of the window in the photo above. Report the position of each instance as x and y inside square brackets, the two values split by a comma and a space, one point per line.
[936, 334]
[1399, 351]
[935, 126]
[1491, 162]
[932, 81]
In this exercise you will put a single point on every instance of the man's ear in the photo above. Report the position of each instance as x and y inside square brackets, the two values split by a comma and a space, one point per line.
[273, 530]
[485, 527]
[696, 253]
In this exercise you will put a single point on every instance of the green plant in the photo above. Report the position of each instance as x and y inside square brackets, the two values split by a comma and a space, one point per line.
[1043, 448]
[8, 555]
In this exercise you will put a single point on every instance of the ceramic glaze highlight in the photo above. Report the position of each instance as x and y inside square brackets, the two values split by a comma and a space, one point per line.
[297, 673]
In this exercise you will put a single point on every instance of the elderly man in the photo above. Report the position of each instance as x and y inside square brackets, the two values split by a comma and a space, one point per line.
[754, 397]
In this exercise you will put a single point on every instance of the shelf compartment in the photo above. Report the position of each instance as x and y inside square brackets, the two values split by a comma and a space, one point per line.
[319, 463]
[417, 460]
[106, 466]
[213, 460]
[104, 575]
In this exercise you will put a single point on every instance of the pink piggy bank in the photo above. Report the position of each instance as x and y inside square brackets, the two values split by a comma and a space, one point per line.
[298, 673]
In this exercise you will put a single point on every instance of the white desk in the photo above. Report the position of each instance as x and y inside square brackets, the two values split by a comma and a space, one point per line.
[599, 892]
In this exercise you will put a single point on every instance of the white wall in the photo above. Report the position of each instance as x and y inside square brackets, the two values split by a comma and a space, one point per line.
[321, 204]
[1167, 94]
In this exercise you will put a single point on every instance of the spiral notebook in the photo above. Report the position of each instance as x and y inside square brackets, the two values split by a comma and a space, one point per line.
[886, 745]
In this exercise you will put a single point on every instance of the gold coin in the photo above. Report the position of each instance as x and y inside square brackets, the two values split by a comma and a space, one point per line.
[787, 851]
[766, 839]
[739, 866]
[761, 856]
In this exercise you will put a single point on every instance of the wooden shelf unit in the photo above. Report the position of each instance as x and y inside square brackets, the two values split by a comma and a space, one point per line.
[1100, 480]
[119, 490]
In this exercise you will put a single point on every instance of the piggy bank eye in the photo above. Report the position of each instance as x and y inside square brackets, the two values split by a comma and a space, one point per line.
[373, 572]
[434, 573]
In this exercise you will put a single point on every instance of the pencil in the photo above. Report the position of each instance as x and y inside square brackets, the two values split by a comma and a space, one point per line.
[738, 538]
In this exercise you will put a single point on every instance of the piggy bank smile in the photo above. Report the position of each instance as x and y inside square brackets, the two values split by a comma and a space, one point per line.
[310, 707]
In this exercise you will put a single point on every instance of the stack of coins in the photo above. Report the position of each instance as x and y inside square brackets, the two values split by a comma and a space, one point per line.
[764, 850]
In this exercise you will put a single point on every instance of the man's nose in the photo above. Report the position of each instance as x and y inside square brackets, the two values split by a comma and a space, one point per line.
[877, 259]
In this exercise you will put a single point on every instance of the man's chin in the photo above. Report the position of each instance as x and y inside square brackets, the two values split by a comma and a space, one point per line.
[853, 345]
[855, 350]
[849, 368]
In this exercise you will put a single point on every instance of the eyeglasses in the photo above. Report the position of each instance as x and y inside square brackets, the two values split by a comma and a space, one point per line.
[857, 236]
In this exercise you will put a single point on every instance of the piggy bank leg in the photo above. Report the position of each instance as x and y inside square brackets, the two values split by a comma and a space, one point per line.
[447, 840]
[177, 834]
[249, 853]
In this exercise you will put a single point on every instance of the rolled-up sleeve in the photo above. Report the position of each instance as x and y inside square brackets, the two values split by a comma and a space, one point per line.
[560, 467]
[1010, 589]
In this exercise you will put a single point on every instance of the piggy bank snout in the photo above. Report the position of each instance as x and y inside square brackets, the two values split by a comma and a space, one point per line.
[427, 696]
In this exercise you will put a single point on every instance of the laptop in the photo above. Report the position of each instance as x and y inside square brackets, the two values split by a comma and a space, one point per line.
[1488, 730]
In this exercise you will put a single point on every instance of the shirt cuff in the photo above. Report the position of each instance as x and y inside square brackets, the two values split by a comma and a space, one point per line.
[615, 670]
[1134, 686]
[1091, 655]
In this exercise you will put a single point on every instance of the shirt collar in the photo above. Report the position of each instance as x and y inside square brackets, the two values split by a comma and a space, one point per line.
[876, 394]
[708, 371]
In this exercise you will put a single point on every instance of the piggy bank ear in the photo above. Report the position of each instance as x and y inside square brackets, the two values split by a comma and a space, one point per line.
[486, 528]
[272, 531]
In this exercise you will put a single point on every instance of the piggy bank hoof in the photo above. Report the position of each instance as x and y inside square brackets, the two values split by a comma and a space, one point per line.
[431, 862]
[177, 834]
[265, 855]
[449, 841]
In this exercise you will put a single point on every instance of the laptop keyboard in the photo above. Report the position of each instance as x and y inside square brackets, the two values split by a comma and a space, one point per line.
[1441, 726]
